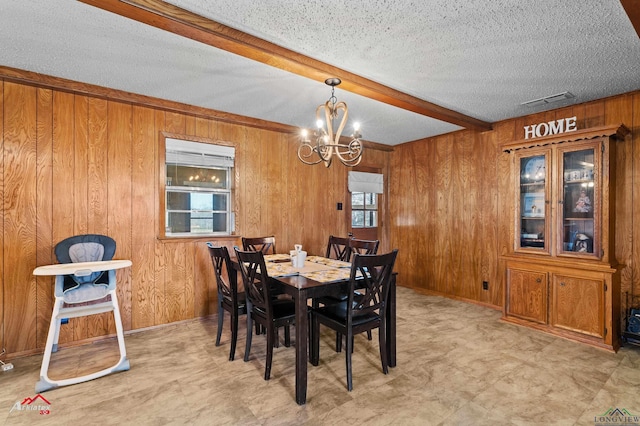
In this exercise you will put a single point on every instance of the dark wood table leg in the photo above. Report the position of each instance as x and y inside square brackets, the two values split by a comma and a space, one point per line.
[302, 327]
[391, 323]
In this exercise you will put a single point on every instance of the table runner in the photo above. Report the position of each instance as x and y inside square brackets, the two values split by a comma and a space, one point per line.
[329, 262]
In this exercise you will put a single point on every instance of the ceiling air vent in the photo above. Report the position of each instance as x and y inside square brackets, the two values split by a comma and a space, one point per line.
[549, 99]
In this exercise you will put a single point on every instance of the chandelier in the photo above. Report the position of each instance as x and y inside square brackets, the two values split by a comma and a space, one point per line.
[325, 142]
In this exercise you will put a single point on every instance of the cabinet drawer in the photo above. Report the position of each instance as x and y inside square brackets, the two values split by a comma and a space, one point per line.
[527, 295]
[578, 304]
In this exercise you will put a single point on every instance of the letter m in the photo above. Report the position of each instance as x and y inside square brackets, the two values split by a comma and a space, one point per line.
[556, 127]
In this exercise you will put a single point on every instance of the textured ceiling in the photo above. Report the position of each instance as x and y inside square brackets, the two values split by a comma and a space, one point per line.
[479, 58]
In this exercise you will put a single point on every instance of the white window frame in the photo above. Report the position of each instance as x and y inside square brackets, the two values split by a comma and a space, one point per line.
[365, 208]
[202, 155]
[366, 183]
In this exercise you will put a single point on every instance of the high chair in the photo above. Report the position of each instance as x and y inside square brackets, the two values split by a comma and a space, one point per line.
[85, 284]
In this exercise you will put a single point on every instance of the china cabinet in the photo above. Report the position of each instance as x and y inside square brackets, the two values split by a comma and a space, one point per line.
[561, 272]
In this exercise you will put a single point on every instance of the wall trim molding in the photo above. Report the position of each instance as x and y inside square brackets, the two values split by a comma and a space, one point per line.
[57, 83]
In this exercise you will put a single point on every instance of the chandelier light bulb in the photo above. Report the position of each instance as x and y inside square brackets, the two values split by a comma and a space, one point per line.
[356, 126]
[305, 133]
[319, 124]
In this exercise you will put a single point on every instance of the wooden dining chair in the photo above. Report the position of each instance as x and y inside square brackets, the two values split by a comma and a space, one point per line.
[229, 298]
[338, 248]
[357, 246]
[363, 310]
[267, 245]
[363, 246]
[262, 307]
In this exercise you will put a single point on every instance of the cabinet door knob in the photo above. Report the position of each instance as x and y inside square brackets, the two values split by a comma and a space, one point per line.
[561, 284]
[539, 280]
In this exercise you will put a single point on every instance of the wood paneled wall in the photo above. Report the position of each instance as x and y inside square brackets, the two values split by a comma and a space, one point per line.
[74, 163]
[451, 203]
[444, 215]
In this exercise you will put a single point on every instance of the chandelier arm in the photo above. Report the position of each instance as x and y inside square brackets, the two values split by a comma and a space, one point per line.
[350, 161]
[329, 113]
[353, 152]
[302, 157]
[325, 150]
[340, 106]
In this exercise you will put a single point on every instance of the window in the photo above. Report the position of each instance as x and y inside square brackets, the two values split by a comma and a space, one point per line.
[364, 210]
[198, 189]
[364, 188]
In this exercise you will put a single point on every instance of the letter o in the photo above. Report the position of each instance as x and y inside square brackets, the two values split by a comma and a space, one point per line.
[546, 129]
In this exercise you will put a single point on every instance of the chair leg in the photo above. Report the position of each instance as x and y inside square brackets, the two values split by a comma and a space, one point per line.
[369, 335]
[220, 322]
[271, 334]
[314, 340]
[348, 352]
[56, 336]
[117, 319]
[52, 340]
[234, 336]
[247, 347]
[45, 383]
[287, 336]
[276, 341]
[338, 342]
[382, 341]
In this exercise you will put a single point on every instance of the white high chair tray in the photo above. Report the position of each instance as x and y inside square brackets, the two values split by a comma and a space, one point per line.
[81, 268]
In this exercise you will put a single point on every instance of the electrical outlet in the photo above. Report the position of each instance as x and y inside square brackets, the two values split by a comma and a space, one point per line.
[485, 285]
[6, 367]
[64, 321]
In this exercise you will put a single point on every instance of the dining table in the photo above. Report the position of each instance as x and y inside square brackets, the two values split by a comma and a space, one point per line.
[319, 277]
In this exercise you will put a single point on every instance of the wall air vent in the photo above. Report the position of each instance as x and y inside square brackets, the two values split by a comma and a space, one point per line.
[548, 99]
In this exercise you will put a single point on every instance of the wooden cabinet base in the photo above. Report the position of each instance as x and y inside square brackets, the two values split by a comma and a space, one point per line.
[566, 297]
[573, 336]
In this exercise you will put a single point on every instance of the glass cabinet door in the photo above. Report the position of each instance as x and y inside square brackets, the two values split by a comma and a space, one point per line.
[532, 215]
[579, 200]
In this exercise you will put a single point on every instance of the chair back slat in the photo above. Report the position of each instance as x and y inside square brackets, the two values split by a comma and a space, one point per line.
[267, 245]
[221, 260]
[363, 246]
[338, 248]
[370, 278]
[256, 280]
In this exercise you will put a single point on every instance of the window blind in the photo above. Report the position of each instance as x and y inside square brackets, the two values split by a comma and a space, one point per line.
[366, 182]
[197, 154]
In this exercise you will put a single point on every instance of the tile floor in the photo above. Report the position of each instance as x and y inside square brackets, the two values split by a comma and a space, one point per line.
[457, 365]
